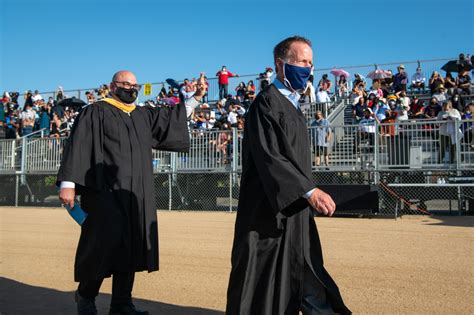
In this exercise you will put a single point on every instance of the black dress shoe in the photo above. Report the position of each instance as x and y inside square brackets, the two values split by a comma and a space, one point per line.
[85, 306]
[126, 310]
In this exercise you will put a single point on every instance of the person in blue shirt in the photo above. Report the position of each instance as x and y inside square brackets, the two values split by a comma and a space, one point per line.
[45, 119]
[320, 137]
[380, 109]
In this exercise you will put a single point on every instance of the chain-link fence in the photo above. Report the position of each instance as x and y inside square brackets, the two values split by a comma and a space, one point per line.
[399, 192]
[425, 192]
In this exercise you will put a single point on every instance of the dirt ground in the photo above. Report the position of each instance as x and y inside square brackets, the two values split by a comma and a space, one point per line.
[414, 265]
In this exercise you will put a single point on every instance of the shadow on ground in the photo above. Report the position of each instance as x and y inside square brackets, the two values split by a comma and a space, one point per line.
[20, 298]
[452, 220]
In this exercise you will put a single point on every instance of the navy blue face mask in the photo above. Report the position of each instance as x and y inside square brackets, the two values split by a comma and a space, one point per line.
[296, 76]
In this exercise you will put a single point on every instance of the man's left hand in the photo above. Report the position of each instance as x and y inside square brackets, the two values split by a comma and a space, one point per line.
[322, 202]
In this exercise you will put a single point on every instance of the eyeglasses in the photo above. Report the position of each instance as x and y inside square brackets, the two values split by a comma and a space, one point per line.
[128, 85]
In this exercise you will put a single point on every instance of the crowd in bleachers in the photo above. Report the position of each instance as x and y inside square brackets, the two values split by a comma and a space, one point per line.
[396, 97]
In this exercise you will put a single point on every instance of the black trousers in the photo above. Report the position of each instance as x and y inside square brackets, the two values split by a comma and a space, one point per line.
[314, 296]
[122, 285]
[223, 91]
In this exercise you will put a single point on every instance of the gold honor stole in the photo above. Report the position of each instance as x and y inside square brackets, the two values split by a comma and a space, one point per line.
[123, 107]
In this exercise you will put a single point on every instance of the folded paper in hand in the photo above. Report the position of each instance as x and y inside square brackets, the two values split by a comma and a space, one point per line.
[76, 213]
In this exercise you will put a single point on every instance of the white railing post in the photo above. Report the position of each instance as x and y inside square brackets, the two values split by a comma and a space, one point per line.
[24, 153]
[235, 146]
[457, 144]
[376, 152]
[173, 165]
[170, 191]
[13, 154]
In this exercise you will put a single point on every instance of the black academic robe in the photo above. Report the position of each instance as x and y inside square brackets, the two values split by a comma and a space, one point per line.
[275, 232]
[109, 157]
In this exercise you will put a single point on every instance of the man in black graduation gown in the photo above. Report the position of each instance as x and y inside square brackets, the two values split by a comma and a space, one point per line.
[108, 161]
[277, 264]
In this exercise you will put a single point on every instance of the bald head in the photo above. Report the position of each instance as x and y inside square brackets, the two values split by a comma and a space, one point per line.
[124, 76]
[124, 87]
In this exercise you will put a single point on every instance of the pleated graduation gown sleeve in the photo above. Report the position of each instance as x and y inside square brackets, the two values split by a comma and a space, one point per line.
[82, 161]
[169, 129]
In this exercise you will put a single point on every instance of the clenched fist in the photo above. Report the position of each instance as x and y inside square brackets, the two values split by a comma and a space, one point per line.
[322, 202]
[67, 195]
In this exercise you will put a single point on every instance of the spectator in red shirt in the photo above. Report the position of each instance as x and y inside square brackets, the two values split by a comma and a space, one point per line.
[223, 77]
[325, 83]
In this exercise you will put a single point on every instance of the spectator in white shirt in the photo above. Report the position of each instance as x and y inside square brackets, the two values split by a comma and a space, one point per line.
[448, 133]
[418, 80]
[367, 124]
[367, 127]
[37, 96]
[322, 96]
[234, 112]
[27, 117]
[440, 94]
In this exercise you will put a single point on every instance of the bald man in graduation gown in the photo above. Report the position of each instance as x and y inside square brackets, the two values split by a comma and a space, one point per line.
[277, 263]
[108, 161]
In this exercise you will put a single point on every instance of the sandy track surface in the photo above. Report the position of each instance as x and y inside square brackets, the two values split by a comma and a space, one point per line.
[412, 265]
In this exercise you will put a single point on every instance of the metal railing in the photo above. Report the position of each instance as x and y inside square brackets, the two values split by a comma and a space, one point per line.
[424, 144]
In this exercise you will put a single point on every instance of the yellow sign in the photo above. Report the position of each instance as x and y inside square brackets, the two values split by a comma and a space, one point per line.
[147, 89]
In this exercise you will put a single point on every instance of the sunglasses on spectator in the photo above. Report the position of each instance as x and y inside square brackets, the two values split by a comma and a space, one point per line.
[128, 85]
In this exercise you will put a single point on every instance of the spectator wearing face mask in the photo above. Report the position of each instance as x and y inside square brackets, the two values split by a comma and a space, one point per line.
[457, 102]
[265, 78]
[371, 100]
[416, 108]
[392, 102]
[381, 109]
[418, 80]
[433, 109]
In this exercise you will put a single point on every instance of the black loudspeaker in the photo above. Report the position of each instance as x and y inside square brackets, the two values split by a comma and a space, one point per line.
[353, 199]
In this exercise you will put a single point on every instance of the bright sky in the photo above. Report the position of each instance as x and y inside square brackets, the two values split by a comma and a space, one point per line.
[80, 44]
